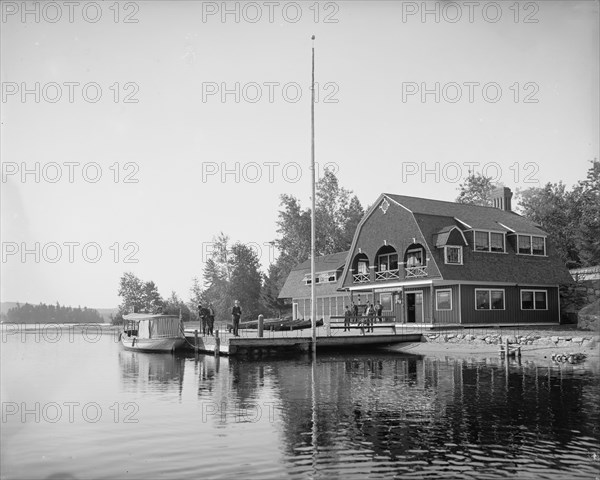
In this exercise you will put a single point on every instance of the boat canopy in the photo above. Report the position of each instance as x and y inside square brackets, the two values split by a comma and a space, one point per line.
[146, 316]
[155, 326]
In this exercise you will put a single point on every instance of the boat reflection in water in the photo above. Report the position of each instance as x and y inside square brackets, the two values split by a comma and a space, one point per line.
[151, 371]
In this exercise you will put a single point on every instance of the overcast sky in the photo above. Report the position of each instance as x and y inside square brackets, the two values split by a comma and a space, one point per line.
[134, 132]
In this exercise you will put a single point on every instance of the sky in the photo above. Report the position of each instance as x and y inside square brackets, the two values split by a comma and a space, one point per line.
[133, 133]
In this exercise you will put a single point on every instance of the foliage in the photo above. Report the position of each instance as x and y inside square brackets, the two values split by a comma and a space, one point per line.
[232, 273]
[43, 313]
[337, 215]
[554, 209]
[138, 296]
[175, 306]
[246, 280]
[571, 217]
[196, 296]
[587, 238]
[477, 190]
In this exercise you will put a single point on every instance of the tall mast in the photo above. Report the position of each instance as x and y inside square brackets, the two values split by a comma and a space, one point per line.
[313, 300]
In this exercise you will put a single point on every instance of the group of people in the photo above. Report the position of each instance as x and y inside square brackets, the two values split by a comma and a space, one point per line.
[369, 314]
[207, 317]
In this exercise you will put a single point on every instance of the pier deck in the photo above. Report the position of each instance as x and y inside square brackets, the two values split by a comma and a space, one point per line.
[291, 341]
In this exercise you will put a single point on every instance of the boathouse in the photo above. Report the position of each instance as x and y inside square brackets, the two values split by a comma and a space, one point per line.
[433, 262]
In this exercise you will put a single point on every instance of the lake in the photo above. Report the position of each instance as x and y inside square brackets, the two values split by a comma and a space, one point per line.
[75, 405]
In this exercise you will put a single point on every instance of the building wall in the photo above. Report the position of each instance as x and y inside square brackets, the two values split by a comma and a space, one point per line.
[444, 316]
[512, 312]
[326, 306]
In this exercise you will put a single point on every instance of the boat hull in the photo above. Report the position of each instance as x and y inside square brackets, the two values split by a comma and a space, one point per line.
[152, 344]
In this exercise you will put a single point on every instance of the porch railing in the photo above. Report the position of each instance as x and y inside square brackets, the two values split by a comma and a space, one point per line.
[360, 277]
[387, 275]
[416, 272]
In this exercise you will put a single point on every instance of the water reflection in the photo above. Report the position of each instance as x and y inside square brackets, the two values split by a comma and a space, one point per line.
[151, 371]
[356, 415]
[407, 414]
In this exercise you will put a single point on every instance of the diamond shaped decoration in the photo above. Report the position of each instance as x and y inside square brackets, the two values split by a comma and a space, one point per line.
[384, 206]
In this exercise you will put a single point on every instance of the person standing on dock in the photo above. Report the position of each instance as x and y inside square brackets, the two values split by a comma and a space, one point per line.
[347, 316]
[236, 313]
[210, 320]
[379, 311]
[355, 310]
[202, 314]
[370, 313]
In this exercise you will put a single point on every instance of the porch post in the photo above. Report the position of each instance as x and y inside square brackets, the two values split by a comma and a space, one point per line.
[431, 303]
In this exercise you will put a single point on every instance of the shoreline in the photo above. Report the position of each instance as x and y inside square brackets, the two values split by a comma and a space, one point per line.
[534, 344]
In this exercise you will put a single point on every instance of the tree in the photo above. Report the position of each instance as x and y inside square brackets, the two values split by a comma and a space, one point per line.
[477, 190]
[270, 291]
[554, 209]
[570, 216]
[138, 296]
[174, 306]
[216, 277]
[338, 213]
[246, 280]
[196, 297]
[587, 237]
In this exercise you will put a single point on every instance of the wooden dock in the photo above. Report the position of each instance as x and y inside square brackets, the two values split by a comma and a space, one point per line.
[295, 341]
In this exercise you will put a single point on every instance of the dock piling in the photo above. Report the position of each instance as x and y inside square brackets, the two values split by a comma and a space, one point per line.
[217, 343]
[261, 319]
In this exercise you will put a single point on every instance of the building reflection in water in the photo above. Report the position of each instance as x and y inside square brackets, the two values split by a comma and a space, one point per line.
[397, 406]
[350, 408]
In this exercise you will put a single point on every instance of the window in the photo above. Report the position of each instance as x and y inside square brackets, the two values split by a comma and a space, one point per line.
[489, 299]
[443, 299]
[496, 242]
[363, 267]
[534, 300]
[531, 245]
[321, 277]
[388, 261]
[489, 241]
[482, 243]
[453, 255]
[538, 246]
[414, 258]
[525, 244]
[386, 300]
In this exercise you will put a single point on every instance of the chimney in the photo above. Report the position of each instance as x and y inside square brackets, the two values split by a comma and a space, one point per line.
[501, 198]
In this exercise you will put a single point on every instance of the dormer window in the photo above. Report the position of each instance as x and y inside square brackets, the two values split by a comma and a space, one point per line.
[489, 241]
[531, 245]
[322, 277]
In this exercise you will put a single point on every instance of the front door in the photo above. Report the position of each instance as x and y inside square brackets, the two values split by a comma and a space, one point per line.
[414, 307]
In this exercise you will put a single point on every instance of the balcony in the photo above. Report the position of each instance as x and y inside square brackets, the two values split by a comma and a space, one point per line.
[416, 272]
[387, 275]
[360, 278]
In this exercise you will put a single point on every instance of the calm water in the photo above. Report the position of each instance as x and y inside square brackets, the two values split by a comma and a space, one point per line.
[79, 407]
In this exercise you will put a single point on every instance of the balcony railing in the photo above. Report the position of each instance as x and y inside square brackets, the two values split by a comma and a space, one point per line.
[416, 272]
[361, 277]
[387, 275]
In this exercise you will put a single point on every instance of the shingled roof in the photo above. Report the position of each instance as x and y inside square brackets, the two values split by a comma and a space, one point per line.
[294, 286]
[471, 216]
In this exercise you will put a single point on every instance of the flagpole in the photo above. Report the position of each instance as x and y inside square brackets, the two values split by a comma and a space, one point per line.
[313, 309]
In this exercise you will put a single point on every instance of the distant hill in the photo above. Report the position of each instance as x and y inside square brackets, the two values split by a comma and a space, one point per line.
[105, 313]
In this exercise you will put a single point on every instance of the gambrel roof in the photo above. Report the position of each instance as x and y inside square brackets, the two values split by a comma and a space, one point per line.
[471, 216]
